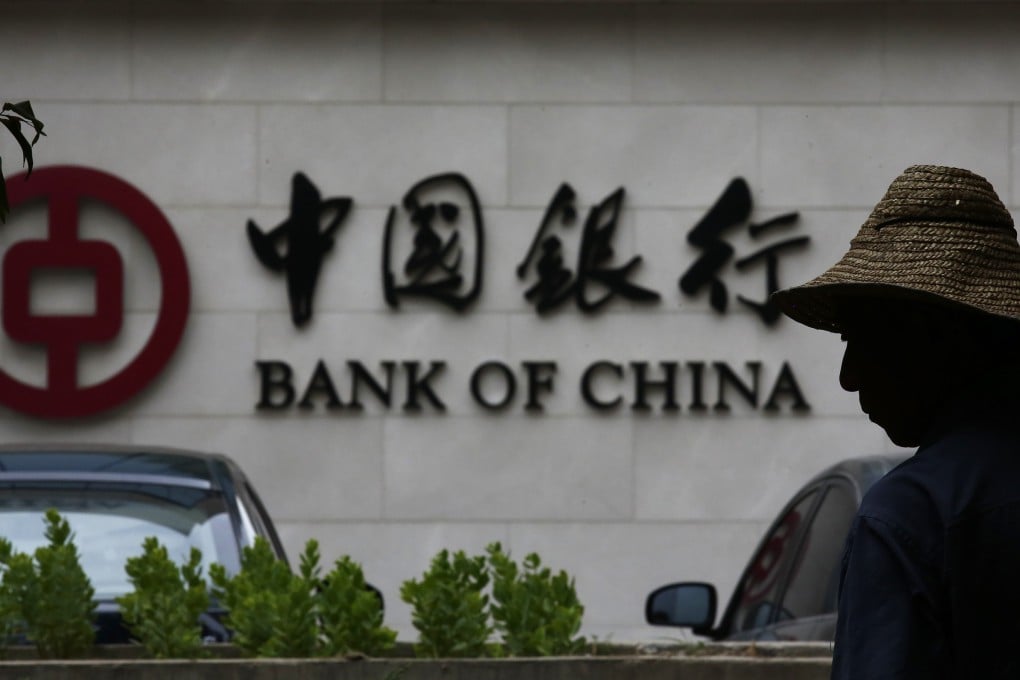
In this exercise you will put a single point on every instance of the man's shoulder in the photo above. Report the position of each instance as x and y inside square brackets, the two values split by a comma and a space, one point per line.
[909, 506]
[907, 485]
[947, 477]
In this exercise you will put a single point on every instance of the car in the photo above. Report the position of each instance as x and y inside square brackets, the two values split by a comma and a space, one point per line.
[788, 589]
[114, 497]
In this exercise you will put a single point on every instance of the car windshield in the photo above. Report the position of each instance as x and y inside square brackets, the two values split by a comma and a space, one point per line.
[110, 520]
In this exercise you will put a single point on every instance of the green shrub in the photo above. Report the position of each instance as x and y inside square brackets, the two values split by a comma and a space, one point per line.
[350, 614]
[274, 612]
[270, 609]
[10, 620]
[536, 613]
[163, 610]
[12, 625]
[50, 593]
[448, 607]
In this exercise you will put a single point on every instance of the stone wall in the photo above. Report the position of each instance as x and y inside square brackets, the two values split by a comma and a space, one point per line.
[210, 108]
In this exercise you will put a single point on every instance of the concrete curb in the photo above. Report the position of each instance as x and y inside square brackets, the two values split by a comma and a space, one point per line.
[588, 668]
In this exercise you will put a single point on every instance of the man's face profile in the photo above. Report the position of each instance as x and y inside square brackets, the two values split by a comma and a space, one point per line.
[891, 361]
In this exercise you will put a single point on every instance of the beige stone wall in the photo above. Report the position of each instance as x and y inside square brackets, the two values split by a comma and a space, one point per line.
[209, 108]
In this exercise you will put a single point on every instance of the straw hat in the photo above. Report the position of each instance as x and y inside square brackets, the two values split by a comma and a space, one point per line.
[939, 234]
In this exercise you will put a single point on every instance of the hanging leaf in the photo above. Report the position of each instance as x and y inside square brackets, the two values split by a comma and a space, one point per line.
[13, 116]
[24, 110]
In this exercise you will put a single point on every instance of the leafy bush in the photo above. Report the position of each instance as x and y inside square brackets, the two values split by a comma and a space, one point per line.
[11, 624]
[270, 609]
[350, 614]
[163, 610]
[50, 593]
[449, 607]
[536, 613]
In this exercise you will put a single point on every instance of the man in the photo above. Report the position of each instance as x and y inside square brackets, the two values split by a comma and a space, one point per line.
[927, 300]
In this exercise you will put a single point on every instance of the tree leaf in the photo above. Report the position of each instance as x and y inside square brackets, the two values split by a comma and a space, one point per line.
[24, 109]
[14, 126]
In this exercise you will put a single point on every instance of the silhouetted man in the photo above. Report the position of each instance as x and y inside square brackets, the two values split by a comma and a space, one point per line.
[927, 300]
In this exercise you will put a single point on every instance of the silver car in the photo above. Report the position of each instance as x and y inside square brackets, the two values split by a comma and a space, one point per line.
[788, 590]
[114, 497]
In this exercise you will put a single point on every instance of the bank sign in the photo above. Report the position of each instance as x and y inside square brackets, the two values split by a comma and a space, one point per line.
[433, 251]
[63, 190]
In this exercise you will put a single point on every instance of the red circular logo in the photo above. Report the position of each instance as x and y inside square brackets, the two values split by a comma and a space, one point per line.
[63, 188]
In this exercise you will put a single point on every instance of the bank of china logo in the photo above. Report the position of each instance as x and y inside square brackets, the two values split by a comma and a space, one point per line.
[63, 246]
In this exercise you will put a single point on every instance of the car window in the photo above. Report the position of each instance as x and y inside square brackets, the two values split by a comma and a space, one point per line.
[248, 530]
[260, 516]
[110, 521]
[759, 591]
[814, 579]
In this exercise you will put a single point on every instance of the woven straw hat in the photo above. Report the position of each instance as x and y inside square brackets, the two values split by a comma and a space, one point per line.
[939, 234]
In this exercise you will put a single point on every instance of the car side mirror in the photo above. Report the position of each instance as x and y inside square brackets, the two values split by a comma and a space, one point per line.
[368, 586]
[378, 594]
[691, 605]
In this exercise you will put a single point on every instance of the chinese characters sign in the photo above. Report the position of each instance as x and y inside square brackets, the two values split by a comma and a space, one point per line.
[304, 242]
[434, 248]
[555, 282]
[732, 209]
[436, 267]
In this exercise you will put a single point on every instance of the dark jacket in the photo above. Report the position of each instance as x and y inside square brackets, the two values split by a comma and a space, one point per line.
[931, 575]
